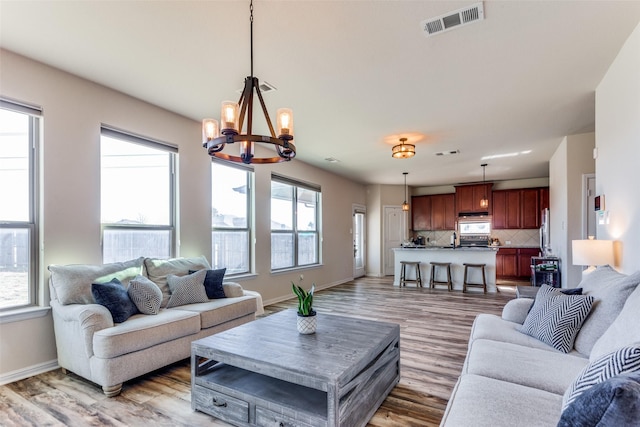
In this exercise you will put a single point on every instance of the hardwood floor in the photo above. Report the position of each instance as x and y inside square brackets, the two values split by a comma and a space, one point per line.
[434, 328]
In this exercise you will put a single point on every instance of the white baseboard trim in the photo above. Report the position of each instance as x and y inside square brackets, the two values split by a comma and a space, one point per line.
[29, 371]
[318, 288]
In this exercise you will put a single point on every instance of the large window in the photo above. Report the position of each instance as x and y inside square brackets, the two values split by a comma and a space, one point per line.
[231, 217]
[19, 136]
[294, 224]
[137, 196]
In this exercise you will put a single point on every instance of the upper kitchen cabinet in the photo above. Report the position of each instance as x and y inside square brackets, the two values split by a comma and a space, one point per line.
[433, 212]
[519, 208]
[468, 198]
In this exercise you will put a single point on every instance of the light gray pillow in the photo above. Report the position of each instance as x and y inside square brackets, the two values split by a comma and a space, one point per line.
[610, 290]
[72, 283]
[187, 289]
[623, 331]
[145, 295]
[159, 269]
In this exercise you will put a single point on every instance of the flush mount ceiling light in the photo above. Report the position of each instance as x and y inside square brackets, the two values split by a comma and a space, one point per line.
[232, 121]
[405, 205]
[484, 202]
[402, 150]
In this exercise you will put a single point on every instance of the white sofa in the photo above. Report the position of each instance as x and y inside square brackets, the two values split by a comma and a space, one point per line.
[513, 379]
[90, 344]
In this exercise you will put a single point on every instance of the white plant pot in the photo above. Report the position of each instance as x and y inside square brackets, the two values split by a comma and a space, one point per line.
[307, 324]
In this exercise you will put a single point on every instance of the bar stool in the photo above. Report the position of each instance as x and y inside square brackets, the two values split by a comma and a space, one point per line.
[433, 282]
[403, 273]
[466, 284]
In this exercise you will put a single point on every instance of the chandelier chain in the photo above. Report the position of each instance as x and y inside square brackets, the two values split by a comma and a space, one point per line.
[251, 32]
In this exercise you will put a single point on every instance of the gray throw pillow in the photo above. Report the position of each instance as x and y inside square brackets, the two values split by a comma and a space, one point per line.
[610, 292]
[72, 283]
[187, 289]
[114, 296]
[145, 295]
[622, 361]
[614, 402]
[159, 269]
[555, 318]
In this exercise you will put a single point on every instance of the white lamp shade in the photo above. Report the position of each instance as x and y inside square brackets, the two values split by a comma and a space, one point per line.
[592, 252]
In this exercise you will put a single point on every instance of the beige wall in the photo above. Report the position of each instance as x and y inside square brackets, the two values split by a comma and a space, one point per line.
[618, 143]
[572, 159]
[73, 111]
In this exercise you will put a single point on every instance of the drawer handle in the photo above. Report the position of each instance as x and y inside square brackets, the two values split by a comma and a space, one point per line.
[219, 404]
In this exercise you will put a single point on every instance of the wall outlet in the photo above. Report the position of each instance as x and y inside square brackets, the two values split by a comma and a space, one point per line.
[507, 242]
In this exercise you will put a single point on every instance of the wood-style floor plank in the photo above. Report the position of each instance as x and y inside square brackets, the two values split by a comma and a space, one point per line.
[434, 330]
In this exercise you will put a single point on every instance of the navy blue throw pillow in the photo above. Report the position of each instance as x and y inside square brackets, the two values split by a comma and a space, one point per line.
[115, 297]
[614, 402]
[213, 283]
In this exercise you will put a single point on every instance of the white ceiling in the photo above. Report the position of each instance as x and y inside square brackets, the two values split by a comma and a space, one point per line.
[358, 74]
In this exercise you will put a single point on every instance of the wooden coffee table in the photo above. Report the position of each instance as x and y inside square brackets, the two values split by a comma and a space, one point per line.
[264, 373]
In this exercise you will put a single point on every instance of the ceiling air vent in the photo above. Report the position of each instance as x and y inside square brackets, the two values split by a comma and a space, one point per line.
[451, 20]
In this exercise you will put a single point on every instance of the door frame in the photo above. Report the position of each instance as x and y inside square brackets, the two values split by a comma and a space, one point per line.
[360, 209]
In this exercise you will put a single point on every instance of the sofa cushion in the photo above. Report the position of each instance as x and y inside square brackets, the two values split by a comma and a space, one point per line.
[114, 296]
[232, 289]
[492, 327]
[187, 289]
[486, 402]
[218, 311]
[158, 269]
[145, 295]
[213, 283]
[140, 332]
[624, 360]
[72, 283]
[545, 370]
[619, 333]
[555, 318]
[614, 402]
[610, 290]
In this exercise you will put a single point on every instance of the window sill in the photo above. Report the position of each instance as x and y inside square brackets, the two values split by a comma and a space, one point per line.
[21, 314]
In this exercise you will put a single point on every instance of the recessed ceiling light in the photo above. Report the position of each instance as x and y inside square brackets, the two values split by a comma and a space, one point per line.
[332, 160]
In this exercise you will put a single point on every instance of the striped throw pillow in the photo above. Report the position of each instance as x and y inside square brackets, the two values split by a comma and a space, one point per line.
[624, 360]
[556, 318]
[187, 289]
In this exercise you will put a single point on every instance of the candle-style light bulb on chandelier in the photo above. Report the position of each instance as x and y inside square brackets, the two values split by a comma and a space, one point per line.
[405, 205]
[215, 137]
[484, 202]
[402, 150]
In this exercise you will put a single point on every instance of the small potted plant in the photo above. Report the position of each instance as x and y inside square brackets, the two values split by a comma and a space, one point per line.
[306, 314]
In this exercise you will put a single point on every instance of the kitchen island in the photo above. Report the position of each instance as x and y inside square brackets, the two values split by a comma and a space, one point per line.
[457, 257]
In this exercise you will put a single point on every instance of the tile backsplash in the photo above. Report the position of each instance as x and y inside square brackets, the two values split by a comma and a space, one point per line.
[527, 237]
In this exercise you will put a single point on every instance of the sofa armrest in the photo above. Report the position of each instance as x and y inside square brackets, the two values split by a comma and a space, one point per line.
[232, 289]
[75, 325]
[517, 309]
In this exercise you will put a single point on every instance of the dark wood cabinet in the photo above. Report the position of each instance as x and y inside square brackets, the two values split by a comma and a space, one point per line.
[468, 198]
[507, 263]
[519, 208]
[524, 261]
[433, 212]
[420, 213]
[514, 263]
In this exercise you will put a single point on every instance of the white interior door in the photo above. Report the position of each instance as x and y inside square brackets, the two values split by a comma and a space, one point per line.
[359, 242]
[395, 231]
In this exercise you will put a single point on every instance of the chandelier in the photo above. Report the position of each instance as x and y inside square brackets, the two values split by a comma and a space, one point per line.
[484, 202]
[405, 205]
[402, 150]
[215, 137]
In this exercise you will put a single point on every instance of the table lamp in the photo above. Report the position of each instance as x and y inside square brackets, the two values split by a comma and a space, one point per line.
[592, 253]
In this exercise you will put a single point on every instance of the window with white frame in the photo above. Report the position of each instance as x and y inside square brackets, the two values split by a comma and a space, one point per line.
[19, 140]
[295, 223]
[137, 196]
[231, 218]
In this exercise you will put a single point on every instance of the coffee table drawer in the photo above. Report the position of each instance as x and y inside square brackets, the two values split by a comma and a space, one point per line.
[221, 405]
[267, 418]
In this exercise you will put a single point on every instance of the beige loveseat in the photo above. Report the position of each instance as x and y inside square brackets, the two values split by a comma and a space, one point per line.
[89, 342]
[513, 379]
